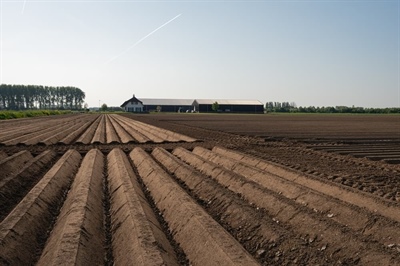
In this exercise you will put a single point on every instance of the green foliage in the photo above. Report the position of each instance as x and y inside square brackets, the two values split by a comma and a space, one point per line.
[115, 109]
[32, 113]
[22, 97]
[286, 107]
[104, 107]
[215, 106]
[281, 107]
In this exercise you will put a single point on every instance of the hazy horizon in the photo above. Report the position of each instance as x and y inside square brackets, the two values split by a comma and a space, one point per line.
[313, 53]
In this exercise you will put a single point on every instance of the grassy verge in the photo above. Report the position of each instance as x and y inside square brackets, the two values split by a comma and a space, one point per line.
[30, 113]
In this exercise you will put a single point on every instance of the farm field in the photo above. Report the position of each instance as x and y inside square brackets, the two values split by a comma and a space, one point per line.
[200, 190]
[295, 126]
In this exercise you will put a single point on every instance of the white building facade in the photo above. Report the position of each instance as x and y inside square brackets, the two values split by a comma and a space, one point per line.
[133, 105]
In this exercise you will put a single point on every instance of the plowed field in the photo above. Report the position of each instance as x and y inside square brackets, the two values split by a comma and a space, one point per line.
[151, 190]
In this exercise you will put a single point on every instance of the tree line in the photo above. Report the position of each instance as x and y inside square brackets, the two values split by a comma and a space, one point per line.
[23, 97]
[286, 107]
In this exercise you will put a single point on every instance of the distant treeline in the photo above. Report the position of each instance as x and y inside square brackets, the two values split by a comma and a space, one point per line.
[23, 97]
[286, 107]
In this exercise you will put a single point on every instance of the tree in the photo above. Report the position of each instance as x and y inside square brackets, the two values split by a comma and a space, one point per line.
[215, 106]
[19, 97]
[104, 107]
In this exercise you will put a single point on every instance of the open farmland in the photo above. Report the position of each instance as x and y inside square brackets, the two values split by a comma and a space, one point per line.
[200, 190]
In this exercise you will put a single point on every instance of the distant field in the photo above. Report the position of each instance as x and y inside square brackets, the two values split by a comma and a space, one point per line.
[299, 126]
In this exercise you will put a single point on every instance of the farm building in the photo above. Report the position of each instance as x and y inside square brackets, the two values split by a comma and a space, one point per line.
[133, 105]
[187, 105]
[229, 106]
[167, 105]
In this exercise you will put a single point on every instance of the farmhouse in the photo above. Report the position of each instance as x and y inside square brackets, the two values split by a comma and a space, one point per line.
[167, 105]
[229, 106]
[133, 105]
[188, 105]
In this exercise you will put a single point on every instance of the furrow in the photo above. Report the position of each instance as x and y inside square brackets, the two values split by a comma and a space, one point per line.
[22, 131]
[137, 235]
[87, 136]
[108, 249]
[165, 134]
[132, 130]
[31, 134]
[14, 187]
[52, 132]
[204, 241]
[15, 131]
[14, 163]
[179, 137]
[259, 234]
[22, 229]
[348, 215]
[154, 137]
[77, 237]
[363, 200]
[122, 134]
[111, 134]
[339, 239]
[3, 155]
[170, 135]
[77, 132]
[100, 133]
[61, 133]
[155, 131]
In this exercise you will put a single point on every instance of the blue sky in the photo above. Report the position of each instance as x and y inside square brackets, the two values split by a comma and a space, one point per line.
[321, 53]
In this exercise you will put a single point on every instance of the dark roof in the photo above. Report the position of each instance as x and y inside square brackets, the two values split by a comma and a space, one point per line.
[133, 99]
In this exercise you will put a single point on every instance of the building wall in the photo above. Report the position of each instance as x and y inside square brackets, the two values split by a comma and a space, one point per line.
[225, 108]
[251, 107]
[134, 107]
[168, 108]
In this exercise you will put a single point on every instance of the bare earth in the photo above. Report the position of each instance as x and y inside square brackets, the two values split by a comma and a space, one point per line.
[194, 189]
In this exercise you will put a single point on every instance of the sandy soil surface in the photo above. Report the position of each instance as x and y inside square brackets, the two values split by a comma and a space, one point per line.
[200, 190]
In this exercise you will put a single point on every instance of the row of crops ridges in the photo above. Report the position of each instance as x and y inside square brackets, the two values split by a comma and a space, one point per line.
[85, 129]
[386, 151]
[177, 207]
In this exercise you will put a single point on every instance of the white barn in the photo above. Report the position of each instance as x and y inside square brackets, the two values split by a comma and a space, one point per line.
[133, 105]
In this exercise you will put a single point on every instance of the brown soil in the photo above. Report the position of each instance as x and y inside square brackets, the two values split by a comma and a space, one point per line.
[201, 190]
[14, 163]
[22, 229]
[313, 126]
[76, 238]
[136, 231]
[14, 187]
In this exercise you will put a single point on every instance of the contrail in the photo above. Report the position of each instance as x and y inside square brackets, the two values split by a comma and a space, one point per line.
[23, 7]
[139, 41]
